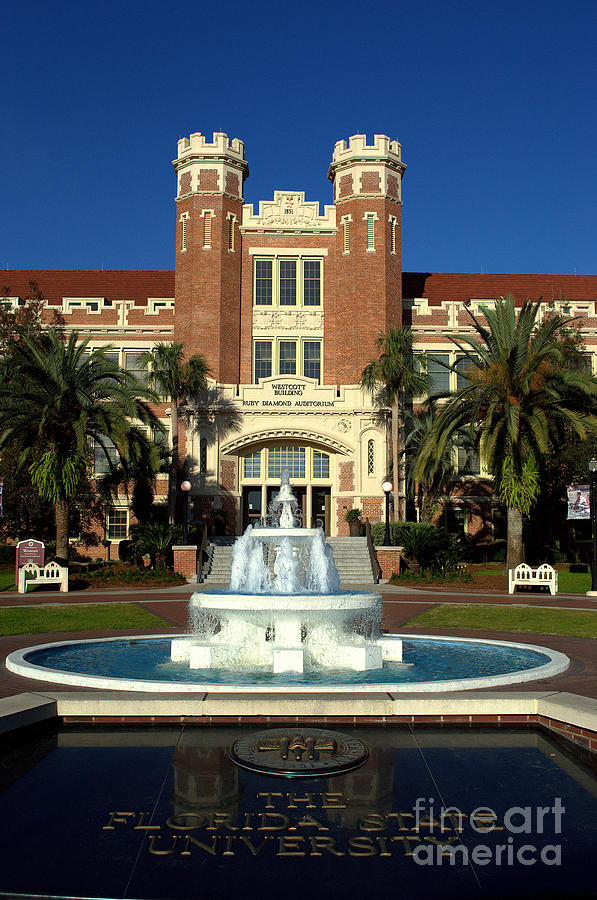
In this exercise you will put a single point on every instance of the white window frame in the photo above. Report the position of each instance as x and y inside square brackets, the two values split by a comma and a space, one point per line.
[299, 341]
[300, 259]
[156, 305]
[370, 218]
[118, 509]
[231, 218]
[83, 304]
[345, 222]
[393, 226]
[309, 476]
[184, 218]
[208, 216]
[9, 303]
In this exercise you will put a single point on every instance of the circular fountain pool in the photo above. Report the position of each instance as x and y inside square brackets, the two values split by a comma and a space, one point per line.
[139, 663]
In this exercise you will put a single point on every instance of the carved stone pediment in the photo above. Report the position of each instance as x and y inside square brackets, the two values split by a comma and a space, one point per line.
[289, 209]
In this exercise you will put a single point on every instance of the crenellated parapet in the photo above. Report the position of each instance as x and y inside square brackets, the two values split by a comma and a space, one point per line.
[359, 169]
[220, 145]
[210, 167]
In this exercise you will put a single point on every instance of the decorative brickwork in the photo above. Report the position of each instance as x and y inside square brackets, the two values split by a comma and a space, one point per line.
[208, 180]
[345, 186]
[346, 476]
[370, 183]
[392, 186]
[185, 183]
[228, 474]
[232, 184]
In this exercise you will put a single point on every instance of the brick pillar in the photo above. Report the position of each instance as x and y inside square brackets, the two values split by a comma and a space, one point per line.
[389, 559]
[185, 561]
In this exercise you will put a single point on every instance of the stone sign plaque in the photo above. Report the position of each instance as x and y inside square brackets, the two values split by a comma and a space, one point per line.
[29, 551]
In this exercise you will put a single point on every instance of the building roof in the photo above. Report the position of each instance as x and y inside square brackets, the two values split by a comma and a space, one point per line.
[442, 286]
[54, 284]
[138, 285]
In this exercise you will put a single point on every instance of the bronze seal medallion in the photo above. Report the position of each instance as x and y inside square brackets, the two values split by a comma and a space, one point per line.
[296, 752]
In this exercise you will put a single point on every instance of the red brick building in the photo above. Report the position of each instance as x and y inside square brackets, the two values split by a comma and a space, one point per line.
[285, 303]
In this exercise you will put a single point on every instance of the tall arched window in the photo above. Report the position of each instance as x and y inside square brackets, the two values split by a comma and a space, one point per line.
[371, 457]
[203, 456]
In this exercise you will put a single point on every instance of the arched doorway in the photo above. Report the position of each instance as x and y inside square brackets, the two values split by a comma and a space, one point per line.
[312, 460]
[311, 471]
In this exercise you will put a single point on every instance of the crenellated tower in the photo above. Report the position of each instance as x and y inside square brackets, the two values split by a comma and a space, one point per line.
[209, 201]
[367, 183]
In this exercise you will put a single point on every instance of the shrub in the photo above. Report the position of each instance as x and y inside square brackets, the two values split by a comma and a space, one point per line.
[450, 572]
[425, 545]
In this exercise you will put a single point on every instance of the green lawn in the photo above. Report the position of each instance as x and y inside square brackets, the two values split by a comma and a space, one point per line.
[7, 580]
[568, 582]
[573, 582]
[575, 623]
[88, 617]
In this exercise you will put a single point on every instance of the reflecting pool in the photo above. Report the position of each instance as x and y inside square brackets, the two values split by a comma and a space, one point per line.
[433, 813]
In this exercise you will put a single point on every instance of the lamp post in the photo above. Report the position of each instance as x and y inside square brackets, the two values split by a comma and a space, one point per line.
[593, 499]
[387, 540]
[185, 488]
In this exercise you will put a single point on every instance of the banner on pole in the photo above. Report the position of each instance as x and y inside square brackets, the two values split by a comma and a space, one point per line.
[579, 501]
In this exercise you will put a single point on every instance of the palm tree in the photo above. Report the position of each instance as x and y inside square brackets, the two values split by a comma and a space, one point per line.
[393, 379]
[154, 538]
[177, 380]
[135, 475]
[520, 399]
[430, 494]
[56, 401]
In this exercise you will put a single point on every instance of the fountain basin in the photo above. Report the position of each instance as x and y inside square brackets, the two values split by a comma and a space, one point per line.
[431, 664]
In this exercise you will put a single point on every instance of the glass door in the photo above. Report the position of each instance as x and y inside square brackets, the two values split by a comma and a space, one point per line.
[251, 506]
[320, 508]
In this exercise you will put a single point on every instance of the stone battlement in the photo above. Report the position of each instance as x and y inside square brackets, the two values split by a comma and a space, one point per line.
[357, 147]
[220, 145]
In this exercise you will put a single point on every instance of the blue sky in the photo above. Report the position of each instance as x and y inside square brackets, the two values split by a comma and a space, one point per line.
[494, 105]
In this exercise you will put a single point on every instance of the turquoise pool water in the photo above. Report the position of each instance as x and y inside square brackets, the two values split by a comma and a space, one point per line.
[425, 660]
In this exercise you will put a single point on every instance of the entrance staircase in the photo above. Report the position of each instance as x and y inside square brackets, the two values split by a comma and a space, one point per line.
[350, 554]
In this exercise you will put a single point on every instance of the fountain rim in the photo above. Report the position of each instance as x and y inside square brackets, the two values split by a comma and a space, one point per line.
[283, 602]
[17, 663]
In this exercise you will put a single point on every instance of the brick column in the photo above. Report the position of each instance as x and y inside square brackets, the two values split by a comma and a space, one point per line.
[185, 561]
[389, 559]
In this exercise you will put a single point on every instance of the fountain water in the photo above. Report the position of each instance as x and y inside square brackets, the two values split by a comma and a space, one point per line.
[285, 625]
[284, 609]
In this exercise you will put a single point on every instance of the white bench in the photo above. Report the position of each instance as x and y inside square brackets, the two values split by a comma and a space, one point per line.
[523, 576]
[31, 575]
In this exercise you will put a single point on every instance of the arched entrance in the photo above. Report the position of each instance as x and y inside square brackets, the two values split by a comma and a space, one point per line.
[311, 460]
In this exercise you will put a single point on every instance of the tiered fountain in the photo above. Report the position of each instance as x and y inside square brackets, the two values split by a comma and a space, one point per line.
[284, 609]
[284, 625]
